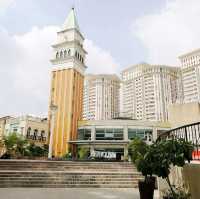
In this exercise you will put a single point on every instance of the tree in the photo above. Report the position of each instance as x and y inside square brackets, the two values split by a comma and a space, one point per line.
[16, 145]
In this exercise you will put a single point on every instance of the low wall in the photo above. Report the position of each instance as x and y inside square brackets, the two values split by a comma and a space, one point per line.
[189, 175]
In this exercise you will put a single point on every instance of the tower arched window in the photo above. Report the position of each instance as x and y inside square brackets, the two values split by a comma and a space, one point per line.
[61, 54]
[57, 55]
[65, 53]
[76, 54]
[69, 52]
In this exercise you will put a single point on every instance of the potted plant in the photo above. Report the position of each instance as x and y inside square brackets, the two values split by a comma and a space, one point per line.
[141, 157]
[168, 153]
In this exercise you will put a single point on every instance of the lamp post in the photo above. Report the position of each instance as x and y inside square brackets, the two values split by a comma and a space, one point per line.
[53, 110]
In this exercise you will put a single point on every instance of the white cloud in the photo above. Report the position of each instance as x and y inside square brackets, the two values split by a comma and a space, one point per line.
[99, 60]
[171, 32]
[25, 69]
[5, 4]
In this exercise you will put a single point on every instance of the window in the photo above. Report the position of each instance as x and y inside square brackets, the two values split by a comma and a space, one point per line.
[84, 134]
[69, 52]
[35, 134]
[61, 54]
[109, 134]
[65, 53]
[57, 55]
[28, 132]
[131, 134]
[43, 138]
[139, 133]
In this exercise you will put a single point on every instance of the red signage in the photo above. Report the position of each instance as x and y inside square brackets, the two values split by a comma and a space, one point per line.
[196, 155]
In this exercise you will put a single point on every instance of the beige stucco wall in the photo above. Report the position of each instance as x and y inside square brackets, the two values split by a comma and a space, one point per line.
[182, 114]
[189, 176]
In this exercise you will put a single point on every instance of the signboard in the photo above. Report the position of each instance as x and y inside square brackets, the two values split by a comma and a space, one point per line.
[102, 154]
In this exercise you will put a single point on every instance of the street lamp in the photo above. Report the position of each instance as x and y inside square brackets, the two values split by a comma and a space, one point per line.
[53, 110]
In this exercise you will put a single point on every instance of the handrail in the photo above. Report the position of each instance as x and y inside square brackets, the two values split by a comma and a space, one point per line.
[177, 128]
[189, 132]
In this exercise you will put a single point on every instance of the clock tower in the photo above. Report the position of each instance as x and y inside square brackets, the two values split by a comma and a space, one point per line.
[67, 85]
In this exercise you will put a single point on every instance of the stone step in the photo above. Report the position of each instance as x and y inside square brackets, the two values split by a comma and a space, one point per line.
[67, 174]
[67, 169]
[37, 185]
[103, 181]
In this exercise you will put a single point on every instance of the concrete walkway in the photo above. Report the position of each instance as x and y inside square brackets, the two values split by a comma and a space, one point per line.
[61, 193]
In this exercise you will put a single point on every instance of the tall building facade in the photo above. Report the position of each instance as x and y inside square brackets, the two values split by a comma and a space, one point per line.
[190, 73]
[67, 84]
[101, 97]
[148, 90]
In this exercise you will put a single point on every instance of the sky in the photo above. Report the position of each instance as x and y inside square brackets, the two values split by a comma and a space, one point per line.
[118, 34]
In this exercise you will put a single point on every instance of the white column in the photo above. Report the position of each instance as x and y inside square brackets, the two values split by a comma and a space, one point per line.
[125, 133]
[53, 112]
[155, 134]
[93, 133]
[126, 151]
[91, 149]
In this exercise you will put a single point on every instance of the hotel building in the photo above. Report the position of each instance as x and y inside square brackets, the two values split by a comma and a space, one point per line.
[101, 97]
[148, 90]
[190, 72]
[67, 84]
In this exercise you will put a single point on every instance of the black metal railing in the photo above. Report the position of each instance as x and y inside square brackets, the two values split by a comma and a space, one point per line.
[190, 132]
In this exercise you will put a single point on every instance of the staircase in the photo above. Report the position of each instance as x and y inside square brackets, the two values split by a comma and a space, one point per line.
[67, 174]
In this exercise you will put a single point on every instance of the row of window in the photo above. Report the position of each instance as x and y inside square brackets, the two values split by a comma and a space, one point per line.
[35, 134]
[113, 134]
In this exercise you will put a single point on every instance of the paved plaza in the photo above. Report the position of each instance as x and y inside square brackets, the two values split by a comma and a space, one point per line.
[67, 193]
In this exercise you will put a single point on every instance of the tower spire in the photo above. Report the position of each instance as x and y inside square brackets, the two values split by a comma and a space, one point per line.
[71, 21]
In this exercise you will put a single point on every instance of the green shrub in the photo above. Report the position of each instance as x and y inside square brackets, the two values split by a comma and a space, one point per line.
[67, 156]
[15, 145]
[83, 153]
[37, 151]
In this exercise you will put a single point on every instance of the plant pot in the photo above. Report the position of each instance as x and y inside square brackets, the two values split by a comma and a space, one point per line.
[146, 188]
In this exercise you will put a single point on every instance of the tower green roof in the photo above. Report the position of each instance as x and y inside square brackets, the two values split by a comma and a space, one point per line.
[71, 21]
